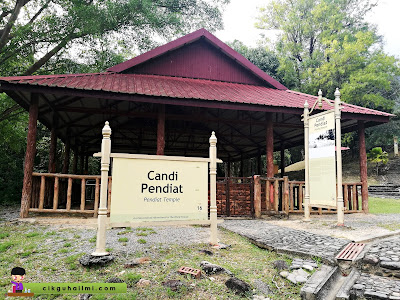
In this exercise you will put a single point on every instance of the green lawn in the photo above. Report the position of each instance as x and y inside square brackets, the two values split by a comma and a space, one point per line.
[383, 206]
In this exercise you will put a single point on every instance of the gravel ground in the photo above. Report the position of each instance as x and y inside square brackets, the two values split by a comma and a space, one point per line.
[358, 227]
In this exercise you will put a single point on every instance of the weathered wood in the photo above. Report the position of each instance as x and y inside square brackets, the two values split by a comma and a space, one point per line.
[355, 204]
[363, 166]
[346, 196]
[276, 195]
[269, 145]
[301, 197]
[96, 197]
[55, 198]
[69, 194]
[228, 198]
[285, 194]
[257, 196]
[66, 175]
[61, 211]
[83, 196]
[161, 130]
[42, 191]
[267, 199]
[29, 156]
[291, 192]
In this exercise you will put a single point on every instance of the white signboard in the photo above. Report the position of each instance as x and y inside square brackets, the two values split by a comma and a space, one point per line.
[158, 190]
[322, 162]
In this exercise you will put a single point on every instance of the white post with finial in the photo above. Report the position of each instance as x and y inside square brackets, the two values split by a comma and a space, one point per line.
[306, 163]
[105, 167]
[213, 191]
[340, 204]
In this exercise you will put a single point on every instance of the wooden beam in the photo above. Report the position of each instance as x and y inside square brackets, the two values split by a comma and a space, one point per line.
[53, 145]
[270, 145]
[161, 130]
[65, 168]
[29, 156]
[282, 160]
[363, 166]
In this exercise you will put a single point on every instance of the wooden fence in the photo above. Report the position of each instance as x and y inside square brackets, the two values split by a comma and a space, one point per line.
[66, 193]
[236, 196]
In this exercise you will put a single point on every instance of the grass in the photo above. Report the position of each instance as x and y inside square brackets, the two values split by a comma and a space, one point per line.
[142, 241]
[383, 205]
[123, 240]
[47, 257]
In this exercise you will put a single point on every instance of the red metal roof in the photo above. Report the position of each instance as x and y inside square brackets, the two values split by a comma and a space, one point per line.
[181, 88]
[190, 38]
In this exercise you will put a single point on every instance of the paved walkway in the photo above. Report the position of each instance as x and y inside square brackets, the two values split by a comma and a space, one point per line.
[287, 240]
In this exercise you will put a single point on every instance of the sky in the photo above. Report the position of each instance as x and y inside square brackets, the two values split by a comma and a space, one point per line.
[240, 17]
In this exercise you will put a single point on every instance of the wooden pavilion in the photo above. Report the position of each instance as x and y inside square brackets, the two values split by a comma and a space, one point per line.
[167, 101]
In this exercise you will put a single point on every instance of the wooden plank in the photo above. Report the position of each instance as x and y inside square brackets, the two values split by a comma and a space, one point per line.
[96, 197]
[276, 195]
[42, 191]
[228, 197]
[355, 197]
[291, 191]
[61, 211]
[66, 175]
[267, 200]
[301, 197]
[83, 190]
[257, 196]
[285, 195]
[55, 198]
[69, 194]
[351, 207]
[152, 157]
[345, 196]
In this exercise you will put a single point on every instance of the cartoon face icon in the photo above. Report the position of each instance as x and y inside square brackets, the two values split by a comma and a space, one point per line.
[18, 278]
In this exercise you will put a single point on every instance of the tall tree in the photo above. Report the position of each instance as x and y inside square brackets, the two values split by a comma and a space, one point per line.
[35, 33]
[327, 44]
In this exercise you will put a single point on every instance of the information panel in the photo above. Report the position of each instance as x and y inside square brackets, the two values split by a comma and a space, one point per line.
[158, 190]
[322, 161]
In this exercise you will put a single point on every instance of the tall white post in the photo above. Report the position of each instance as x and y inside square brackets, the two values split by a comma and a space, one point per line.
[102, 218]
[306, 164]
[340, 205]
[213, 192]
[396, 145]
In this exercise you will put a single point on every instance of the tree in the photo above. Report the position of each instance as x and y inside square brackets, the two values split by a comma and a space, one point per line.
[327, 44]
[39, 33]
[263, 58]
[377, 156]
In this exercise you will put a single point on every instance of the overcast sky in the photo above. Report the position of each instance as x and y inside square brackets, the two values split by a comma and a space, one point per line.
[240, 17]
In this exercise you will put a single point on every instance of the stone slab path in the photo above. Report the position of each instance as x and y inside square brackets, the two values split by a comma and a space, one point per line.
[375, 287]
[287, 240]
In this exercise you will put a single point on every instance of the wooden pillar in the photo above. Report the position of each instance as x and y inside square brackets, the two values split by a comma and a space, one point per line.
[65, 168]
[75, 162]
[257, 196]
[363, 166]
[229, 168]
[270, 145]
[259, 164]
[29, 156]
[282, 160]
[53, 146]
[161, 130]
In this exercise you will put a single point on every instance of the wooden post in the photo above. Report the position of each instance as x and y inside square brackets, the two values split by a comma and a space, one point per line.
[86, 165]
[213, 192]
[229, 168]
[282, 160]
[259, 164]
[161, 130]
[285, 194]
[65, 168]
[241, 166]
[257, 196]
[29, 156]
[81, 162]
[363, 166]
[53, 147]
[396, 146]
[105, 167]
[270, 145]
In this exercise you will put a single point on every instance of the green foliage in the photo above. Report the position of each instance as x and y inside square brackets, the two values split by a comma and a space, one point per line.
[327, 44]
[142, 241]
[378, 156]
[123, 240]
[132, 278]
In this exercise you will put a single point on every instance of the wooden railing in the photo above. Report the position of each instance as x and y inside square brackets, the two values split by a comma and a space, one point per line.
[66, 193]
[282, 195]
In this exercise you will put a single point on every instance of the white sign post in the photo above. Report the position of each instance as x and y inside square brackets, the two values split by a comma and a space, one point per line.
[317, 138]
[156, 188]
